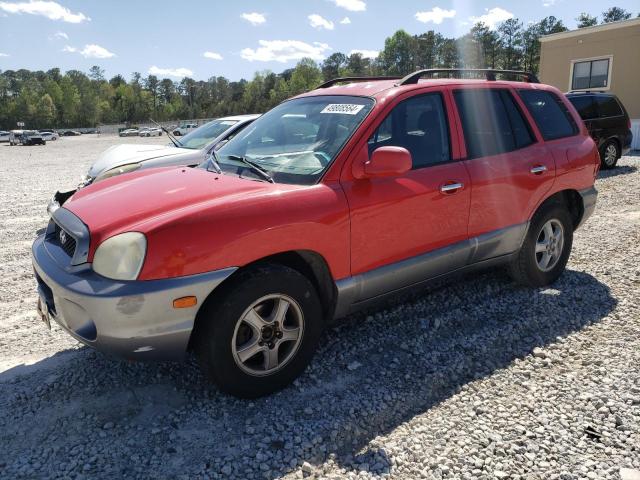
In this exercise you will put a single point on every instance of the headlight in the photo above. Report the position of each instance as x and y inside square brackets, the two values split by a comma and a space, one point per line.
[118, 171]
[121, 257]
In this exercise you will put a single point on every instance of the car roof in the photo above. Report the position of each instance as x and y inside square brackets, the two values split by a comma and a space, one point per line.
[376, 88]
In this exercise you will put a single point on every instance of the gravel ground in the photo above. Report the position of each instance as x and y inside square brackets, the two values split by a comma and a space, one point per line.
[478, 379]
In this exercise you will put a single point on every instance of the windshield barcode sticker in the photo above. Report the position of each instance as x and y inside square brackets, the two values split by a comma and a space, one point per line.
[343, 108]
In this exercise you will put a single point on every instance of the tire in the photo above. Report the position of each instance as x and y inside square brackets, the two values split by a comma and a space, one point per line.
[609, 155]
[528, 268]
[226, 325]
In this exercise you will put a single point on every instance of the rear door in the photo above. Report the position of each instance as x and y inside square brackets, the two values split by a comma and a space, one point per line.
[511, 170]
[587, 108]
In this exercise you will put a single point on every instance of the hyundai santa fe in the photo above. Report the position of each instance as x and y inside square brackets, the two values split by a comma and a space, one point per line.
[333, 200]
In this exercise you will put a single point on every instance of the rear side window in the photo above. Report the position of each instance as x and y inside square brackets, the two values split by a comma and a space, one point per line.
[608, 107]
[551, 115]
[491, 121]
[585, 106]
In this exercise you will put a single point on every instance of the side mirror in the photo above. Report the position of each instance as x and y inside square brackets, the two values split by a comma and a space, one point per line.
[388, 162]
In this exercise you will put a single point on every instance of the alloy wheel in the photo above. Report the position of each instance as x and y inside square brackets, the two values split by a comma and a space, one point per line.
[610, 154]
[267, 335]
[549, 245]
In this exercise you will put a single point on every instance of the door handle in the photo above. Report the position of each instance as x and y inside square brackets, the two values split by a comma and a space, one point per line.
[451, 187]
[538, 169]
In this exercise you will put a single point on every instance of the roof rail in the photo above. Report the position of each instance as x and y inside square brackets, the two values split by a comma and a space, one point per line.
[489, 74]
[588, 91]
[332, 82]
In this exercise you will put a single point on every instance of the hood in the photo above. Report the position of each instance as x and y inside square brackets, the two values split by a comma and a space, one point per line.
[119, 155]
[126, 202]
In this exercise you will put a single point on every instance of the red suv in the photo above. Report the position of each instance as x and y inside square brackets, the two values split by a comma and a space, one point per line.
[332, 200]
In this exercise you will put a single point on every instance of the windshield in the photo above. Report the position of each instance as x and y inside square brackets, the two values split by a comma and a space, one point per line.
[203, 136]
[296, 141]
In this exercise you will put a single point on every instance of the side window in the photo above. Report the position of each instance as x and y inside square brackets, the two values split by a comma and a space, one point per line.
[608, 107]
[585, 106]
[521, 132]
[551, 115]
[418, 124]
[491, 122]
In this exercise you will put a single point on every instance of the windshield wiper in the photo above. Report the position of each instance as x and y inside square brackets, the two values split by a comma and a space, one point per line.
[174, 140]
[212, 161]
[254, 166]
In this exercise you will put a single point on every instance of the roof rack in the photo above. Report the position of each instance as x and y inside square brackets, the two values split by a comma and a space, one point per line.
[489, 74]
[354, 79]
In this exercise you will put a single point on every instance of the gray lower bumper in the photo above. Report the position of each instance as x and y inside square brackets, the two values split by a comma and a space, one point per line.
[589, 197]
[134, 320]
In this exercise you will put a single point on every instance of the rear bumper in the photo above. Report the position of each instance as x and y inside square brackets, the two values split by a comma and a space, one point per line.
[133, 320]
[589, 198]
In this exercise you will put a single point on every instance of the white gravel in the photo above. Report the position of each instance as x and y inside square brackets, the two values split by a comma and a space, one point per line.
[479, 379]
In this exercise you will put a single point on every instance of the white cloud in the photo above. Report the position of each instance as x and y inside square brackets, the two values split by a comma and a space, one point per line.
[51, 10]
[212, 55]
[435, 15]
[548, 3]
[90, 51]
[254, 18]
[60, 35]
[284, 51]
[351, 5]
[170, 72]
[492, 17]
[316, 21]
[4, 54]
[345, 21]
[366, 53]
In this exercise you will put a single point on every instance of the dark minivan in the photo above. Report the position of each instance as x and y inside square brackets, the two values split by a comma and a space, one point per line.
[607, 122]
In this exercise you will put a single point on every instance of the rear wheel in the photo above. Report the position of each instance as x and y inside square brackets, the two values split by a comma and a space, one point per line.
[260, 332]
[609, 154]
[546, 247]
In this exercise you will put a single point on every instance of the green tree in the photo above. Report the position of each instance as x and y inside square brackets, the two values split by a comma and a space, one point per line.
[615, 14]
[586, 20]
[397, 57]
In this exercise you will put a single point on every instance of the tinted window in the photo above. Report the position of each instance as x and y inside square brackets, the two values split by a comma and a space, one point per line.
[608, 106]
[590, 74]
[492, 124]
[551, 115]
[418, 124]
[585, 106]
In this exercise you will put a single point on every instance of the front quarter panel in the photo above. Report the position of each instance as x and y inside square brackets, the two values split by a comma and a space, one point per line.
[223, 234]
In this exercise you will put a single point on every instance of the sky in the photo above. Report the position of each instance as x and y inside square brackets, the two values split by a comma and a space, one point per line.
[235, 39]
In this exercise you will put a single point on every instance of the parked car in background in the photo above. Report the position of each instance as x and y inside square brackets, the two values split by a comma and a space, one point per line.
[71, 133]
[129, 132]
[184, 129]
[324, 205]
[192, 150]
[32, 137]
[150, 132]
[14, 137]
[607, 121]
[4, 136]
[49, 135]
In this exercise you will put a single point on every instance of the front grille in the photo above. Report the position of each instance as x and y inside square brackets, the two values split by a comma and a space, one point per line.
[69, 244]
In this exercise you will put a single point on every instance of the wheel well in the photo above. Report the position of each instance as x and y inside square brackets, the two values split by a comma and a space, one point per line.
[572, 200]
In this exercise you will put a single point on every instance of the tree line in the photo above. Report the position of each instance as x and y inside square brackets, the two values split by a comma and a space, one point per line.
[52, 99]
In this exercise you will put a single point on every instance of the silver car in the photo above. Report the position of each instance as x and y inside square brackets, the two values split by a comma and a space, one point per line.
[190, 150]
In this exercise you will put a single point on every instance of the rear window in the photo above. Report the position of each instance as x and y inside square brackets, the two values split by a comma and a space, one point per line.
[608, 106]
[491, 122]
[585, 106]
[550, 114]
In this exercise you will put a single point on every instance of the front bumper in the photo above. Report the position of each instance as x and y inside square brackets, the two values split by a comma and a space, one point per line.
[134, 319]
[589, 197]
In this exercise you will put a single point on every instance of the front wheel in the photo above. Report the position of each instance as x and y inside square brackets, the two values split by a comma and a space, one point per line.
[609, 155]
[259, 333]
[546, 248]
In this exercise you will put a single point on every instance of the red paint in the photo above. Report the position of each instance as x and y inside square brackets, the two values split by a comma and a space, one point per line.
[197, 221]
